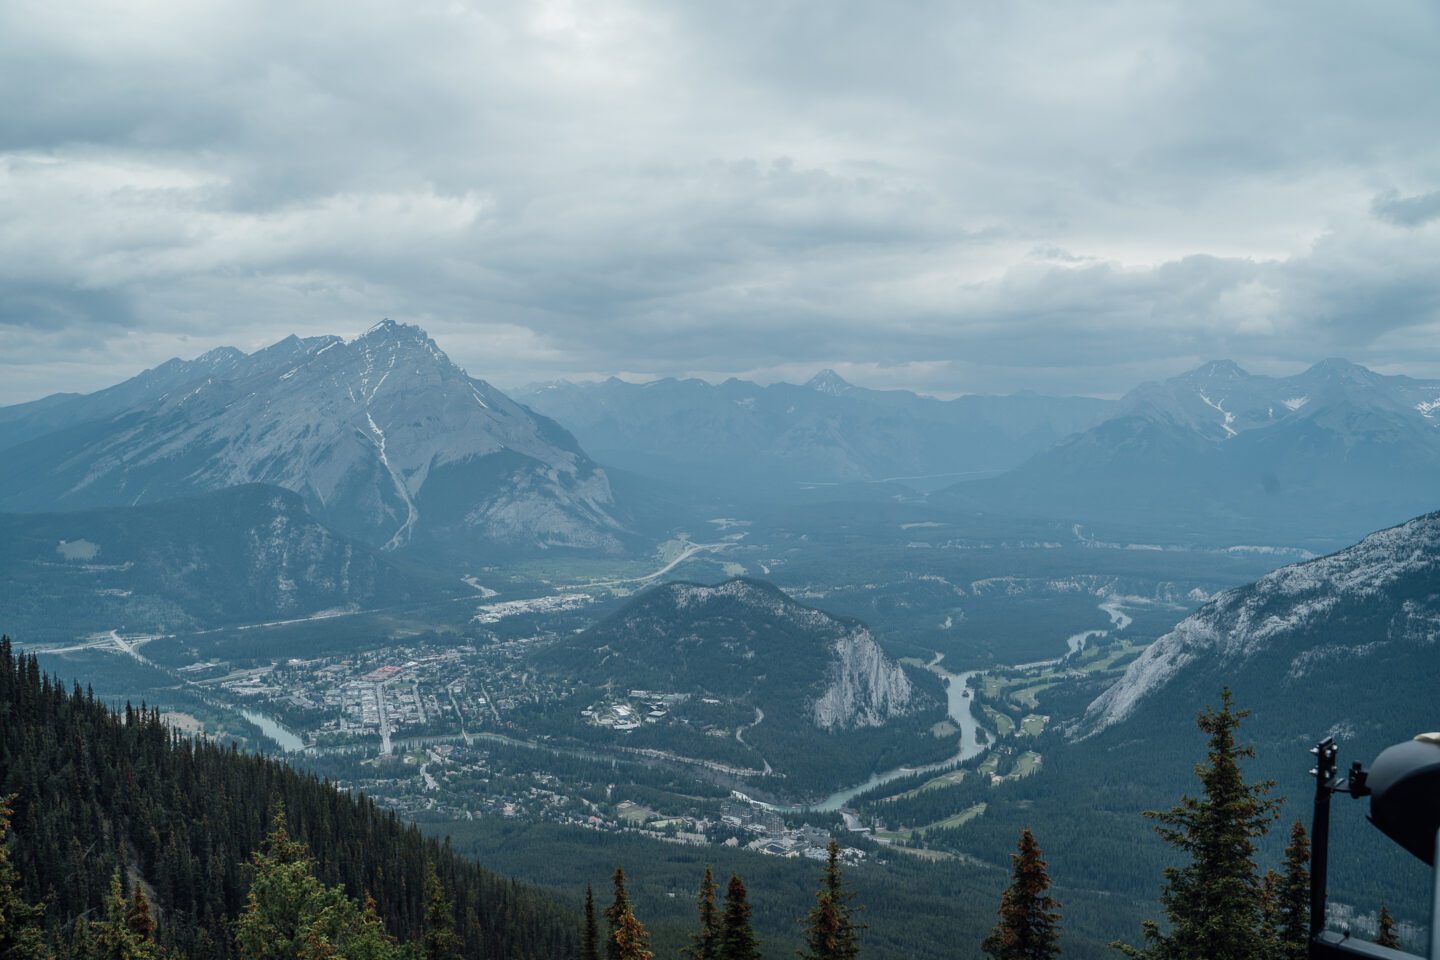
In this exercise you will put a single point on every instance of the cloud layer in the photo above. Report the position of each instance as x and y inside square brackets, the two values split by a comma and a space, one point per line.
[950, 197]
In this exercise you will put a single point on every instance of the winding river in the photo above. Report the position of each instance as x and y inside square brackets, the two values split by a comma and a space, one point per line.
[271, 727]
[960, 706]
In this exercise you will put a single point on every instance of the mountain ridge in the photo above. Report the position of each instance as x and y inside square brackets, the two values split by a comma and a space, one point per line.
[1333, 452]
[386, 439]
[754, 437]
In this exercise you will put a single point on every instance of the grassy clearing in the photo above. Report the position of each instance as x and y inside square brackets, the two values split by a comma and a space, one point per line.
[1026, 696]
[1028, 763]
[634, 813]
[1032, 726]
[940, 782]
[1003, 725]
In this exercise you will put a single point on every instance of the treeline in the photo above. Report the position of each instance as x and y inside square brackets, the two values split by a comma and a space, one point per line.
[98, 796]
[723, 930]
[1217, 903]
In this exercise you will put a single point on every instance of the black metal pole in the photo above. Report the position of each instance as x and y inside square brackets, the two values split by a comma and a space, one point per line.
[1324, 774]
[1435, 905]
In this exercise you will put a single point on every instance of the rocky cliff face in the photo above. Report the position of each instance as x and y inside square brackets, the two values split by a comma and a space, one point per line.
[746, 639]
[1329, 621]
[383, 436]
[866, 687]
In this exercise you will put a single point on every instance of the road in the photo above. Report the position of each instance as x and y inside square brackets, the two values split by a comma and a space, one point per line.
[690, 550]
[740, 735]
[384, 719]
[459, 716]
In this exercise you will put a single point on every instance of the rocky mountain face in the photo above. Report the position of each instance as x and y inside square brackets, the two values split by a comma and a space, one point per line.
[741, 434]
[1345, 644]
[745, 639]
[802, 700]
[243, 554]
[1334, 451]
[384, 438]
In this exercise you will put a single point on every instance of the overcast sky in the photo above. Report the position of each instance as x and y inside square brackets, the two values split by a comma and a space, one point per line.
[953, 197]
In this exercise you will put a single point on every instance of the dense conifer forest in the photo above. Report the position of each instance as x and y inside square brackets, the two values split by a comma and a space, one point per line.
[101, 797]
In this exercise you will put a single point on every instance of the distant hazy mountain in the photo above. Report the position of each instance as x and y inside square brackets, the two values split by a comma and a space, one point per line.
[1336, 450]
[1310, 647]
[383, 436]
[826, 430]
[833, 704]
[242, 554]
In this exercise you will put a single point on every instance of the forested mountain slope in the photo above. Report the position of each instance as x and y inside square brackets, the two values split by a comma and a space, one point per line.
[242, 554]
[95, 791]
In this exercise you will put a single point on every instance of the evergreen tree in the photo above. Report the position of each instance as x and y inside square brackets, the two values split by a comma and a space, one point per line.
[831, 932]
[1213, 903]
[22, 934]
[1029, 925]
[1270, 922]
[95, 791]
[114, 938]
[628, 940]
[291, 915]
[737, 938]
[1292, 899]
[590, 942]
[138, 917]
[439, 940]
[1385, 936]
[705, 942]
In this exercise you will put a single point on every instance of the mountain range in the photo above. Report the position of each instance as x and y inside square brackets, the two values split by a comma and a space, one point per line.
[741, 435]
[1335, 451]
[385, 439]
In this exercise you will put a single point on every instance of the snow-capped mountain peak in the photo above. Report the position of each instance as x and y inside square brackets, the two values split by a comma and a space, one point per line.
[384, 436]
[828, 381]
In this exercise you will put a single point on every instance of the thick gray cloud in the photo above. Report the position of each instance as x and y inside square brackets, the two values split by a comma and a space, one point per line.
[951, 197]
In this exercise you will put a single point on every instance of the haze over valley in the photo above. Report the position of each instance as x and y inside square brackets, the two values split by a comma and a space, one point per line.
[550, 481]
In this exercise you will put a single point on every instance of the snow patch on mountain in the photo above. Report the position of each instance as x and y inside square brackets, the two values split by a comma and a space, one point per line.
[357, 427]
[1241, 623]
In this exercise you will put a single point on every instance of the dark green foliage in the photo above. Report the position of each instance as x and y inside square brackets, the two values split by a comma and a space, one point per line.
[1213, 903]
[590, 936]
[628, 939]
[831, 932]
[289, 915]
[22, 933]
[89, 783]
[1385, 935]
[115, 936]
[737, 939]
[1292, 901]
[439, 940]
[705, 941]
[1029, 925]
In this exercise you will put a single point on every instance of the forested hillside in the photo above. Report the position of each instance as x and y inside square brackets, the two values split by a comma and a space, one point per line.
[98, 793]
